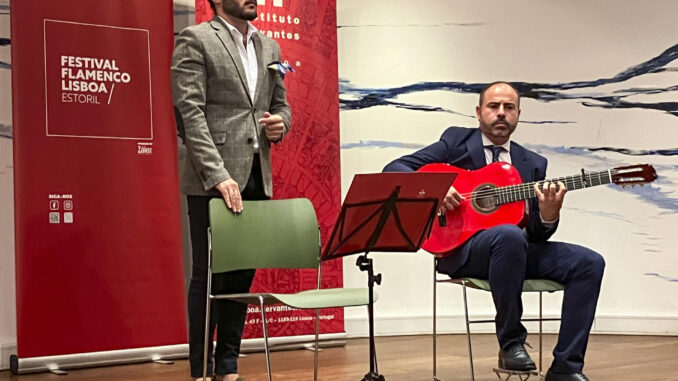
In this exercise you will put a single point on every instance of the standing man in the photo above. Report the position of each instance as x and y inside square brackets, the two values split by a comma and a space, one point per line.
[230, 107]
[507, 254]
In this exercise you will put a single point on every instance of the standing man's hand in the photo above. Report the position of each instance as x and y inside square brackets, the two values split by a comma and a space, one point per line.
[550, 197]
[230, 191]
[273, 126]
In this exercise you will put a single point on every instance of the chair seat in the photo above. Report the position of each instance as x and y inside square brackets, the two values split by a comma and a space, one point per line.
[310, 299]
[529, 285]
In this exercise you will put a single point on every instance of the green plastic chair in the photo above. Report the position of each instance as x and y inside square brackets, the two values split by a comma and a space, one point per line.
[271, 234]
[529, 285]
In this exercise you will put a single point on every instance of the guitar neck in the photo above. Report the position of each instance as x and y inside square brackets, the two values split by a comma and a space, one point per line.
[524, 191]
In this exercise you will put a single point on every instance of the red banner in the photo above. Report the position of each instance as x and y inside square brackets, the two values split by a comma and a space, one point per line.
[306, 164]
[98, 235]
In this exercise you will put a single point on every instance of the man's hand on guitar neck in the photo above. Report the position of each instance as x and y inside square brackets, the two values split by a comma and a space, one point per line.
[550, 197]
[451, 200]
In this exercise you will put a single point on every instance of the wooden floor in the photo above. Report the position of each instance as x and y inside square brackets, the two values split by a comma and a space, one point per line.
[409, 358]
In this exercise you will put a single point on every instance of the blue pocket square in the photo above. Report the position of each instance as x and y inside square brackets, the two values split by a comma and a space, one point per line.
[280, 67]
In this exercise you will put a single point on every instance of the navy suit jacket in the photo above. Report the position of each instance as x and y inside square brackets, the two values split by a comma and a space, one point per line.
[463, 148]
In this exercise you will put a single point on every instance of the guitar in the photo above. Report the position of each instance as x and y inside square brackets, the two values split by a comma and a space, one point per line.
[495, 195]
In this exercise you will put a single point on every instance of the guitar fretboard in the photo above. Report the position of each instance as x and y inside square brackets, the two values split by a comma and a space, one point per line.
[524, 191]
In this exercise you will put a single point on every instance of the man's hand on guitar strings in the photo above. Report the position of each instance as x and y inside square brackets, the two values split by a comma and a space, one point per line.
[550, 197]
[451, 200]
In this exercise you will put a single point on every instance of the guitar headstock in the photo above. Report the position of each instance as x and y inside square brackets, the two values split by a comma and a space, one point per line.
[633, 174]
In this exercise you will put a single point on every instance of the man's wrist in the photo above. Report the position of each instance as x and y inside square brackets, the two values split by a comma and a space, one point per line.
[548, 223]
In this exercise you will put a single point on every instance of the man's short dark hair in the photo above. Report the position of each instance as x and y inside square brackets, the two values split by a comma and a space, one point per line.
[214, 9]
[482, 93]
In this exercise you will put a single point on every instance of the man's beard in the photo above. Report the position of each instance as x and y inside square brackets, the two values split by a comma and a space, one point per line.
[231, 8]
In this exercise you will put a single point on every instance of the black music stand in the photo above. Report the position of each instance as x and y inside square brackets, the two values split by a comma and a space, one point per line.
[390, 212]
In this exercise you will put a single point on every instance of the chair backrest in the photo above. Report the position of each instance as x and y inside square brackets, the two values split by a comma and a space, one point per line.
[267, 234]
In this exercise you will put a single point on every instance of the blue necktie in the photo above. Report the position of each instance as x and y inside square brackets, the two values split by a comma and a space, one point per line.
[495, 152]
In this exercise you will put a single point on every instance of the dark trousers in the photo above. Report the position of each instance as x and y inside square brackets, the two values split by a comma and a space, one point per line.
[505, 257]
[227, 316]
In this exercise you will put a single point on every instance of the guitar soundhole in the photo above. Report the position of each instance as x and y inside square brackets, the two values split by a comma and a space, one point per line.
[484, 200]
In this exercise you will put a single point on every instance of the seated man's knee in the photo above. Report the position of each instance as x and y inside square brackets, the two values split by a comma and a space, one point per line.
[591, 263]
[597, 263]
[510, 235]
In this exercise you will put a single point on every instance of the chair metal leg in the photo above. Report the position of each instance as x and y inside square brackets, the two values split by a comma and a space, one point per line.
[317, 318]
[268, 353]
[435, 315]
[468, 331]
[541, 321]
[315, 356]
[208, 304]
[521, 377]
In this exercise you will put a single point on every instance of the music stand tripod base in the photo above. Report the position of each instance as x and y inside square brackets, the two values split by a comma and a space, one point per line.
[369, 221]
[373, 377]
[523, 375]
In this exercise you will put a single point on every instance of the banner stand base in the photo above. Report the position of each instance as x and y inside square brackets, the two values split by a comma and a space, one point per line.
[162, 354]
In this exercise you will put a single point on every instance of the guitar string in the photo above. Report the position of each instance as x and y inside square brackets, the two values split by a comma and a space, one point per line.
[528, 188]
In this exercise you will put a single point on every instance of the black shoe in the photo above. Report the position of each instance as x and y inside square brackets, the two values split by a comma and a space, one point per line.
[515, 357]
[553, 376]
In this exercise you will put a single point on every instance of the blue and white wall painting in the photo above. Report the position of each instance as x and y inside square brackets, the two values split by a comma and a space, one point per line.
[599, 81]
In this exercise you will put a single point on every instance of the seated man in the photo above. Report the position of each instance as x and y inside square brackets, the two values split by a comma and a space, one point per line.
[507, 254]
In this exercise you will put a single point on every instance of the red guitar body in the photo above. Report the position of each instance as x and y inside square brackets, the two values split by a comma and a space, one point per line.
[473, 214]
[485, 207]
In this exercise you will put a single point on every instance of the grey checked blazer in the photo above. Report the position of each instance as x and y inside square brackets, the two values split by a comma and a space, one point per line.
[215, 116]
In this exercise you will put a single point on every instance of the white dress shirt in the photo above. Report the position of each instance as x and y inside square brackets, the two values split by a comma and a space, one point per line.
[504, 155]
[248, 56]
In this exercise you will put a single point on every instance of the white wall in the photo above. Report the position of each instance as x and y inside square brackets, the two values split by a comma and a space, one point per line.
[7, 294]
[384, 44]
